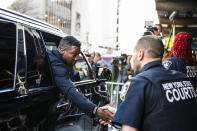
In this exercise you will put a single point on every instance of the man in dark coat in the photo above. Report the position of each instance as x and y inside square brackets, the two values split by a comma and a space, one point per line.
[62, 61]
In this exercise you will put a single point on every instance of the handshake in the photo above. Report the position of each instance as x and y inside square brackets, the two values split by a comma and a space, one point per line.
[105, 113]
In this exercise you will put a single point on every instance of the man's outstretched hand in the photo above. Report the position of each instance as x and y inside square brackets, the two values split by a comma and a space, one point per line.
[112, 110]
[106, 113]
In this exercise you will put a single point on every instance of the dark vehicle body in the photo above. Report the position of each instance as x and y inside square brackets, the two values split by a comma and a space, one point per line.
[29, 99]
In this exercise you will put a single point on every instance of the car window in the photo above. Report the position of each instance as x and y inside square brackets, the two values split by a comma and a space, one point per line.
[83, 71]
[51, 41]
[51, 45]
[47, 72]
[38, 71]
[7, 54]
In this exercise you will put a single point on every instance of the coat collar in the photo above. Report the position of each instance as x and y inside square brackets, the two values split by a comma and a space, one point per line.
[59, 56]
[151, 65]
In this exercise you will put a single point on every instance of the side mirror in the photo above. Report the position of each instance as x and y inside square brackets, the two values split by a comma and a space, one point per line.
[103, 73]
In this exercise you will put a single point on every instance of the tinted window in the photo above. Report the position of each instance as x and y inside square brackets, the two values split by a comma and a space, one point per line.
[38, 71]
[7, 54]
[51, 41]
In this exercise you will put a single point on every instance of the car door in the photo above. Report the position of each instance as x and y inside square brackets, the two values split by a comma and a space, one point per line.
[27, 89]
[25, 94]
[38, 92]
[8, 94]
[86, 82]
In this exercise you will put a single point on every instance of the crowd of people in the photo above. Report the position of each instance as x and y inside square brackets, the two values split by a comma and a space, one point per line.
[159, 92]
[157, 97]
[119, 65]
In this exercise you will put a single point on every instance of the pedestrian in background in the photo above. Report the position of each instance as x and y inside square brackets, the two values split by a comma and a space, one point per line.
[180, 57]
[159, 30]
[98, 59]
[165, 54]
[93, 64]
[128, 69]
[120, 69]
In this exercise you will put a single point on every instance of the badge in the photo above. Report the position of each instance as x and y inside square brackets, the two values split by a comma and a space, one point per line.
[124, 91]
[167, 64]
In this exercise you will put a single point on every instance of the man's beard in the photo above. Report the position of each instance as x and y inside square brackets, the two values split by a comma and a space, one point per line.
[136, 67]
[137, 70]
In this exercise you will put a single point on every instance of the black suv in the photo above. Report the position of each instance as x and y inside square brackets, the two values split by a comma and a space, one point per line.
[29, 99]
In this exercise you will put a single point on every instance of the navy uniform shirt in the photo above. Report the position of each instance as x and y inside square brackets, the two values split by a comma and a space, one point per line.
[62, 73]
[158, 100]
[177, 63]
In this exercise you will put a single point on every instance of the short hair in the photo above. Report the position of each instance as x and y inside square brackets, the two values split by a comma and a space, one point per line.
[147, 33]
[152, 45]
[69, 41]
[159, 26]
[98, 54]
[124, 55]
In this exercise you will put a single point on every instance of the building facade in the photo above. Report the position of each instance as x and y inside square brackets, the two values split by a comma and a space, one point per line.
[55, 12]
[58, 13]
[93, 22]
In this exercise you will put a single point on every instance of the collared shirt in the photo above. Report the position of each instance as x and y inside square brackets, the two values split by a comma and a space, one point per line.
[157, 100]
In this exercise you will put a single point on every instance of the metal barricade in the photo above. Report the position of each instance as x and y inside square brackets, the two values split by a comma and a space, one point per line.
[114, 89]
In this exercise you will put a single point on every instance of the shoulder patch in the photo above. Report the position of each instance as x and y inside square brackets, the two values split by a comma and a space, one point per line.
[124, 90]
[167, 64]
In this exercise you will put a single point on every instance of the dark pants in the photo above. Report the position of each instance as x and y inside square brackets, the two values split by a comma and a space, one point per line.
[84, 123]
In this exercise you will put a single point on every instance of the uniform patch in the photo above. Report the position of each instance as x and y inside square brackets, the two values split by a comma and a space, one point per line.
[191, 71]
[167, 64]
[124, 91]
[179, 91]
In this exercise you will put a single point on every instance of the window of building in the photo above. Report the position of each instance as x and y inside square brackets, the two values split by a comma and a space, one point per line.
[77, 24]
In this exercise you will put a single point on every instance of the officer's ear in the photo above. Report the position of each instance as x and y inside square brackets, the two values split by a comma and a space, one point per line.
[141, 54]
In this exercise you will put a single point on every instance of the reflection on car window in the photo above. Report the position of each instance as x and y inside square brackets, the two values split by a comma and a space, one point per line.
[20, 78]
[51, 45]
[7, 54]
[38, 72]
[82, 69]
